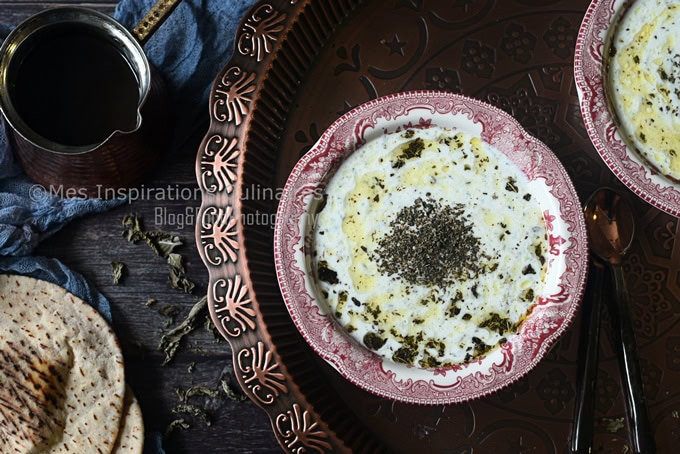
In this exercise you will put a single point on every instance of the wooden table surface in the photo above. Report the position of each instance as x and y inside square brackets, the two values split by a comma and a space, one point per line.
[90, 244]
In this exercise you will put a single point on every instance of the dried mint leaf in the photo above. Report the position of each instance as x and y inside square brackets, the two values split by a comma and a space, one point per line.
[118, 269]
[171, 340]
[230, 393]
[162, 244]
[211, 328]
[374, 341]
[193, 410]
[178, 277]
[185, 394]
[176, 424]
[613, 425]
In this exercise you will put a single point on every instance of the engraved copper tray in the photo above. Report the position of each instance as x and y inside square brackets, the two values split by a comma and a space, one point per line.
[297, 66]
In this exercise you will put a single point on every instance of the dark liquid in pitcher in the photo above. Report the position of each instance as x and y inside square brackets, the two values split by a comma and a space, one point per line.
[73, 86]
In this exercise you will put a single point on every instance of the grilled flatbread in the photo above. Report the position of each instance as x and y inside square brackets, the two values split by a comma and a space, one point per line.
[131, 434]
[61, 372]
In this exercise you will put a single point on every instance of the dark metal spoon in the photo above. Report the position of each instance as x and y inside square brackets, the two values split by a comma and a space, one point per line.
[589, 344]
[611, 228]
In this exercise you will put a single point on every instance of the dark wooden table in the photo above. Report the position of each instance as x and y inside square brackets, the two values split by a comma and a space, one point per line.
[90, 244]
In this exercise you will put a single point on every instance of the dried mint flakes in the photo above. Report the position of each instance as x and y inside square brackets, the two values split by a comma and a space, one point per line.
[162, 244]
[118, 268]
[430, 244]
[171, 340]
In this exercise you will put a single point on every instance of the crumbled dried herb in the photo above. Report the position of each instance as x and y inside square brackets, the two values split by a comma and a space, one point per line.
[178, 276]
[430, 244]
[405, 355]
[613, 425]
[171, 340]
[118, 270]
[230, 393]
[480, 347]
[326, 274]
[185, 394]
[193, 410]
[511, 185]
[429, 361]
[499, 324]
[174, 425]
[210, 327]
[162, 244]
[409, 150]
[373, 341]
[528, 270]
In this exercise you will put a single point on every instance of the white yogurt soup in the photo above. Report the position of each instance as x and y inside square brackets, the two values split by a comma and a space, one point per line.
[644, 82]
[430, 247]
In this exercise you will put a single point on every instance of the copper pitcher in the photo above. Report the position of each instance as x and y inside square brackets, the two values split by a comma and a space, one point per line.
[87, 114]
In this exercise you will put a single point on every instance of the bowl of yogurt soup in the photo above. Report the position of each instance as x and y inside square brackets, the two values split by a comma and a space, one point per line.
[627, 71]
[429, 248]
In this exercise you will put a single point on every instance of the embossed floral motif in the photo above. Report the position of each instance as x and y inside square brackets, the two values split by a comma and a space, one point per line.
[606, 391]
[219, 236]
[352, 60]
[232, 95]
[300, 433]
[536, 114]
[260, 32]
[648, 302]
[555, 391]
[260, 373]
[518, 43]
[580, 168]
[219, 163]
[513, 391]
[232, 306]
[667, 234]
[442, 79]
[308, 140]
[478, 59]
[673, 353]
[651, 378]
[561, 37]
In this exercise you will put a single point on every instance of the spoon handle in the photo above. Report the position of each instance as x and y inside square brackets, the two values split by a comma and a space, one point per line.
[629, 364]
[589, 344]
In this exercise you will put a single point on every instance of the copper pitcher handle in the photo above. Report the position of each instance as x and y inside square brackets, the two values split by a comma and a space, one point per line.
[153, 19]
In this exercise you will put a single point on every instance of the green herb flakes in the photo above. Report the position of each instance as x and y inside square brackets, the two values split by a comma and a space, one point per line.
[171, 340]
[193, 410]
[118, 270]
[163, 245]
[175, 425]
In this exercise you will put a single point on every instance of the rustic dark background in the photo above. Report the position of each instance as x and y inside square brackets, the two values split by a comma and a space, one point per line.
[90, 244]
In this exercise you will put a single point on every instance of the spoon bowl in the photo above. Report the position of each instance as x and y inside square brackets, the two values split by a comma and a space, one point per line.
[610, 224]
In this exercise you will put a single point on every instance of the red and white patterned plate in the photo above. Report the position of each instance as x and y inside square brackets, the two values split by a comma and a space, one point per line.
[592, 48]
[555, 194]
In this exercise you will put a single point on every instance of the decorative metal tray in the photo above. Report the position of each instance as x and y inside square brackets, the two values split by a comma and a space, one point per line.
[297, 66]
